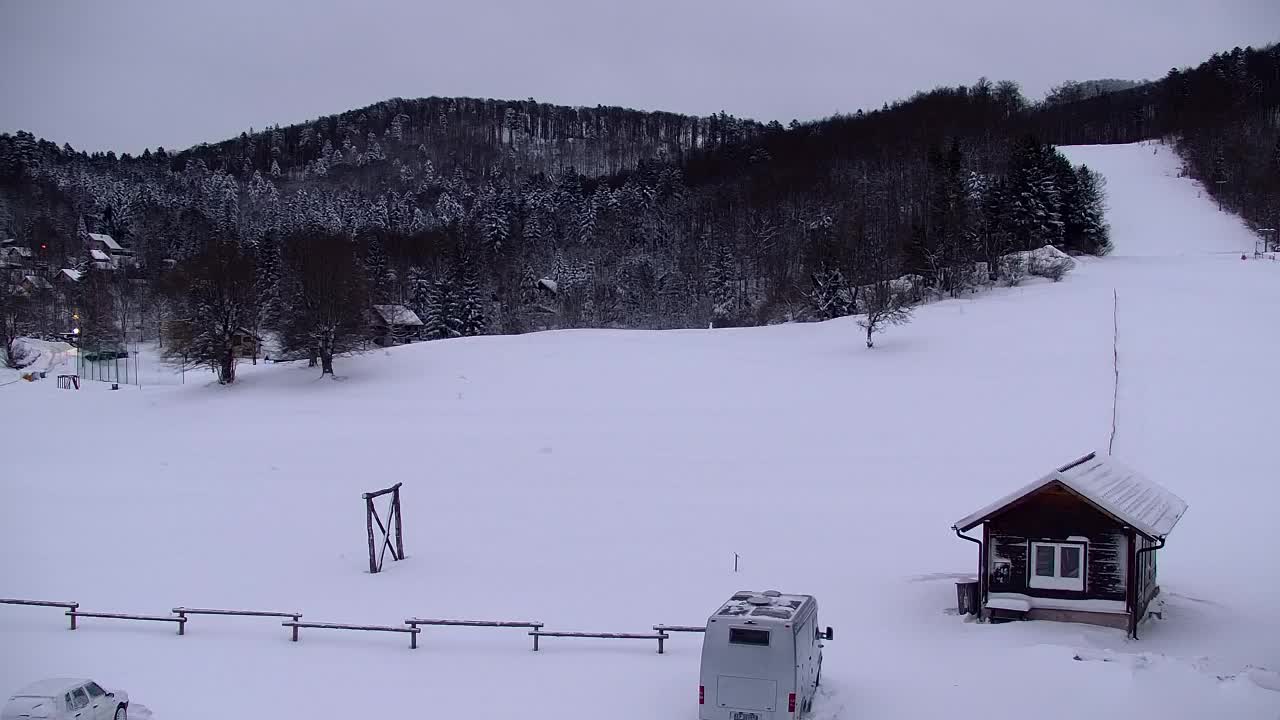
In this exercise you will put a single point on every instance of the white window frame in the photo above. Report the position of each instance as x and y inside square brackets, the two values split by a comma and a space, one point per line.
[1057, 582]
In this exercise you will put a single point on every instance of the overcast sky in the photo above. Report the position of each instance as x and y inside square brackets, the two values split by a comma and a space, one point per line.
[129, 74]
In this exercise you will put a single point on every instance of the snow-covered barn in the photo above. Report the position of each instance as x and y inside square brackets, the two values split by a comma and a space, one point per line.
[1077, 545]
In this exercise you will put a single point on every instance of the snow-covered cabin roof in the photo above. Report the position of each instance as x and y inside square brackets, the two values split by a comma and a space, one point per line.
[108, 241]
[37, 282]
[769, 606]
[69, 274]
[397, 315]
[550, 285]
[19, 251]
[99, 255]
[1109, 485]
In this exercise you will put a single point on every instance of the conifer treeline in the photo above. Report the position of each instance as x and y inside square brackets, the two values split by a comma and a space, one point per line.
[461, 209]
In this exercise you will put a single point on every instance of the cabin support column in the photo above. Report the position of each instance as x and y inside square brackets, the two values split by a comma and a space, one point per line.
[1141, 600]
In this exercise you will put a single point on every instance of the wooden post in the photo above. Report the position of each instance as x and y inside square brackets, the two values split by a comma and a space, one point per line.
[535, 643]
[399, 540]
[182, 625]
[413, 641]
[73, 615]
[373, 564]
[661, 637]
[295, 633]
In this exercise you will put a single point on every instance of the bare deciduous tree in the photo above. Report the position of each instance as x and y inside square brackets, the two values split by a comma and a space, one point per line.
[13, 323]
[216, 289]
[323, 298]
[885, 306]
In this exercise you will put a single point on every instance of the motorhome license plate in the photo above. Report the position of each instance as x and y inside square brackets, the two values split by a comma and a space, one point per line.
[746, 716]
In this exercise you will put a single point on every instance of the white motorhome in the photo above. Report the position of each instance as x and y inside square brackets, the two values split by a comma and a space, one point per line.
[761, 658]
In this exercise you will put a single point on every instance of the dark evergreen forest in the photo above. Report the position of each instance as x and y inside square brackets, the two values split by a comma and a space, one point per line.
[488, 216]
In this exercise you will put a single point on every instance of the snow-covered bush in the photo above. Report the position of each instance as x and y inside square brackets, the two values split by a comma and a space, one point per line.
[1049, 262]
[1013, 269]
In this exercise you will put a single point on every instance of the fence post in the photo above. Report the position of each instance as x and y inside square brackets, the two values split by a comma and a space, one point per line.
[368, 518]
[399, 539]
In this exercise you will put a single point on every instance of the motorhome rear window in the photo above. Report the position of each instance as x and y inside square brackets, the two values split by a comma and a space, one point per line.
[748, 636]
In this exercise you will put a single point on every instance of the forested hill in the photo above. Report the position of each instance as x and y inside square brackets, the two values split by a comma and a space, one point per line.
[459, 207]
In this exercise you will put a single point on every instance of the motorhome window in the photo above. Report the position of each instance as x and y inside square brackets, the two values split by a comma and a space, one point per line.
[747, 636]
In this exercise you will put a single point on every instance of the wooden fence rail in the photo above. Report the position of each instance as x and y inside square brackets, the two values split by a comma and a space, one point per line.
[411, 625]
[680, 628]
[413, 631]
[44, 603]
[531, 624]
[182, 622]
[183, 612]
[660, 637]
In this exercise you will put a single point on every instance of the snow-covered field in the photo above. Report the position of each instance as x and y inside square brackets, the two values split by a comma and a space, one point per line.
[601, 480]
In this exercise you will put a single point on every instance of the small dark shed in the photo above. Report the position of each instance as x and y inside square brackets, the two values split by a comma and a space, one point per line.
[395, 325]
[1077, 545]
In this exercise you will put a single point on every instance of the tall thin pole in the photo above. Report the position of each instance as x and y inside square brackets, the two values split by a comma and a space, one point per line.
[1115, 364]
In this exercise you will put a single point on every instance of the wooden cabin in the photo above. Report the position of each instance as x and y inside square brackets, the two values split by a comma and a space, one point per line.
[245, 344]
[1077, 545]
[395, 325]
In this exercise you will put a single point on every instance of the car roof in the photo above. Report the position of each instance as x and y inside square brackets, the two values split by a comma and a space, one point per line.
[51, 687]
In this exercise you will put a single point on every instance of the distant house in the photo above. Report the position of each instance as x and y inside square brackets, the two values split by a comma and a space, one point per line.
[101, 260]
[17, 257]
[17, 253]
[246, 344]
[106, 245]
[35, 285]
[13, 270]
[66, 277]
[395, 324]
[1077, 545]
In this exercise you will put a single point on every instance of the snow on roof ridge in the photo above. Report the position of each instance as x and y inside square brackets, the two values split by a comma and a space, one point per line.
[397, 315]
[107, 240]
[1104, 481]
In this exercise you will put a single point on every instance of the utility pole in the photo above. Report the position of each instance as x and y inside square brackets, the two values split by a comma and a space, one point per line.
[1220, 183]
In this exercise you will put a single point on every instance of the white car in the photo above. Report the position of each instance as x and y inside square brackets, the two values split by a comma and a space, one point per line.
[66, 699]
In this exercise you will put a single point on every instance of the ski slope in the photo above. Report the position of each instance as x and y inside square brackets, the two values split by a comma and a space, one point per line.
[604, 480]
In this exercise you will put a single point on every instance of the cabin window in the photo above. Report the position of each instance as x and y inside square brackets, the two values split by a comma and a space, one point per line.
[748, 636]
[1057, 566]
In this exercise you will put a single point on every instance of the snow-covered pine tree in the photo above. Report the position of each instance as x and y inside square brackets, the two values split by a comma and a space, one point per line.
[266, 300]
[723, 287]
[377, 269]
[470, 317]
[439, 309]
[1095, 235]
